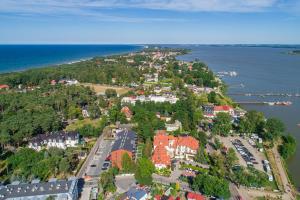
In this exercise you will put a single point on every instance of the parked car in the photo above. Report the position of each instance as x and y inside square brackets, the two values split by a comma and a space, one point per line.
[105, 165]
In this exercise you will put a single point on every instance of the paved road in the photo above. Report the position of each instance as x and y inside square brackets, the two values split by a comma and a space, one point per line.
[93, 164]
[174, 177]
[124, 182]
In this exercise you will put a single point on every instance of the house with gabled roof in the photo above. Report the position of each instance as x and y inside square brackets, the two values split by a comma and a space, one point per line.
[166, 147]
[125, 142]
[59, 139]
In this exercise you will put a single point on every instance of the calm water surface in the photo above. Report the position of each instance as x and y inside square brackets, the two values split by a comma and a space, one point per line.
[20, 57]
[260, 69]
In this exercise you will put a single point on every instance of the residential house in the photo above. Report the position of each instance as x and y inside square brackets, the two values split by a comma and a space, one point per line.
[166, 147]
[225, 109]
[127, 112]
[58, 189]
[110, 60]
[208, 111]
[125, 142]
[4, 86]
[136, 194]
[68, 81]
[151, 77]
[194, 196]
[151, 98]
[60, 140]
[130, 61]
[85, 112]
[53, 82]
[161, 158]
[174, 127]
[211, 111]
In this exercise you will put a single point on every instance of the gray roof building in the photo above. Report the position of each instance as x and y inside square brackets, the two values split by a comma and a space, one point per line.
[126, 140]
[59, 189]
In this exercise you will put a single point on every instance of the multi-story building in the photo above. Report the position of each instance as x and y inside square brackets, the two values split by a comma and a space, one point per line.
[210, 111]
[167, 147]
[125, 143]
[151, 98]
[57, 189]
[59, 139]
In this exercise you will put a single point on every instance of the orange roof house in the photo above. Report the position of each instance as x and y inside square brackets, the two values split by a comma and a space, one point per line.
[195, 196]
[4, 86]
[188, 141]
[169, 146]
[127, 112]
[160, 157]
[226, 109]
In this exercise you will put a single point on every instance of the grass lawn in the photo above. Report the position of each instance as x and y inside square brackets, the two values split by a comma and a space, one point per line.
[274, 168]
[80, 123]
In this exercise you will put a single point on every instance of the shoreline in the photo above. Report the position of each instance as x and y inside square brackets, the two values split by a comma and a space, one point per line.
[67, 61]
[284, 163]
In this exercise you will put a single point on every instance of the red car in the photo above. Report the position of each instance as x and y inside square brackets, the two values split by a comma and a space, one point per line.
[108, 158]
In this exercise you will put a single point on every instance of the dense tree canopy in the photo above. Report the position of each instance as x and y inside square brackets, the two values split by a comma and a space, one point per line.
[288, 146]
[273, 129]
[253, 122]
[95, 71]
[27, 164]
[222, 124]
[23, 115]
[144, 170]
[211, 185]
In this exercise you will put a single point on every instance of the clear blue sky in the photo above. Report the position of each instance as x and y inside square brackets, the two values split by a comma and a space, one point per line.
[150, 21]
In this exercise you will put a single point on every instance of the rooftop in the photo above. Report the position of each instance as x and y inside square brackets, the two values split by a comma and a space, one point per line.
[125, 140]
[36, 188]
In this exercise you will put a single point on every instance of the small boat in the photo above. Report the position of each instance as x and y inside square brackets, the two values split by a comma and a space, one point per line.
[283, 103]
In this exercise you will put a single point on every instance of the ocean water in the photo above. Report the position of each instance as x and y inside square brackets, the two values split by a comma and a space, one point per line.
[261, 69]
[21, 57]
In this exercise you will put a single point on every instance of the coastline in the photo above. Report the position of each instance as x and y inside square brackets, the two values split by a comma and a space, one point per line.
[67, 61]
[283, 163]
[280, 164]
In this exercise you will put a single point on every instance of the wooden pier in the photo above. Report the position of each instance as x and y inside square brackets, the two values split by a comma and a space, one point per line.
[269, 94]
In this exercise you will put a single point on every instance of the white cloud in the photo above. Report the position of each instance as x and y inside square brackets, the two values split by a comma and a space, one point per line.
[181, 5]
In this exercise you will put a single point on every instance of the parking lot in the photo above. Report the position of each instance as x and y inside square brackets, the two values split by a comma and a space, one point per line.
[247, 154]
[94, 167]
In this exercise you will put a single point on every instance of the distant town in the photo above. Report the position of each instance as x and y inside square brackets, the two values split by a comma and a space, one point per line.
[136, 126]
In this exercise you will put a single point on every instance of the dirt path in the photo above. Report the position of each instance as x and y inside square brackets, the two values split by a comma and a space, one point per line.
[288, 190]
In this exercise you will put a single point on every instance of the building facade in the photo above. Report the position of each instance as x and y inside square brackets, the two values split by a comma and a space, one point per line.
[60, 140]
[167, 147]
[57, 189]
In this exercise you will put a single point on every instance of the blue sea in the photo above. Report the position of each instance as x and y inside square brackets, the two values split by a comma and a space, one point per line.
[21, 57]
[261, 69]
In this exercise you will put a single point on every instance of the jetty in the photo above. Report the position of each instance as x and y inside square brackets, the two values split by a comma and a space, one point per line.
[270, 103]
[268, 94]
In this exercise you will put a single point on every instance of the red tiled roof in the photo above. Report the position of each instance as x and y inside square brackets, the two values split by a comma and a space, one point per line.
[195, 196]
[4, 86]
[161, 138]
[140, 92]
[188, 141]
[157, 197]
[160, 156]
[127, 112]
[222, 108]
